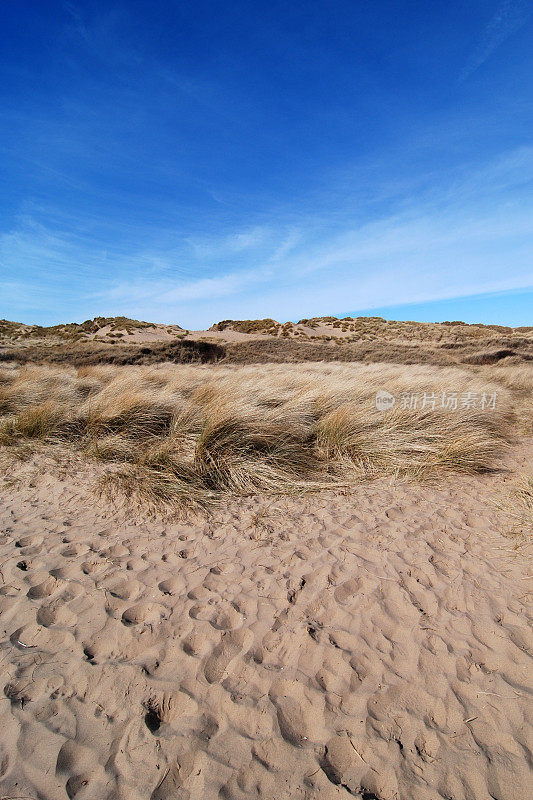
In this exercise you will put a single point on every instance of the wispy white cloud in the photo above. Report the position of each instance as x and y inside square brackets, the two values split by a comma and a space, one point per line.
[221, 246]
[168, 292]
[465, 236]
[510, 16]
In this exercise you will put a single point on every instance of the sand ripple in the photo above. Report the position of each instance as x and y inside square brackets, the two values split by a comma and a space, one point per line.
[373, 645]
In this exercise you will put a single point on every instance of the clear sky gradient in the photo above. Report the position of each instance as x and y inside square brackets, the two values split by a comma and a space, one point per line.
[189, 162]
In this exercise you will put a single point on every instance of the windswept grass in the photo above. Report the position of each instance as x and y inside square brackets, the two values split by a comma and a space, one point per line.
[518, 507]
[189, 435]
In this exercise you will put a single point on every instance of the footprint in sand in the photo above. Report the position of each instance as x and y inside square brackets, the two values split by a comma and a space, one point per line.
[136, 564]
[342, 763]
[172, 586]
[70, 570]
[195, 644]
[93, 565]
[143, 613]
[80, 764]
[395, 513]
[74, 549]
[300, 722]
[117, 551]
[114, 643]
[163, 709]
[34, 540]
[201, 594]
[35, 636]
[175, 777]
[24, 690]
[73, 758]
[222, 616]
[9, 590]
[56, 614]
[227, 618]
[32, 550]
[126, 589]
[347, 590]
[224, 569]
[45, 588]
[230, 646]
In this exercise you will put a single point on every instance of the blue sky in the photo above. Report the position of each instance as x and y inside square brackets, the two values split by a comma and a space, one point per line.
[186, 163]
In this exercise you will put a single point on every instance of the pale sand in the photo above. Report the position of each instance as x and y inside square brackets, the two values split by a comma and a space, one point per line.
[372, 644]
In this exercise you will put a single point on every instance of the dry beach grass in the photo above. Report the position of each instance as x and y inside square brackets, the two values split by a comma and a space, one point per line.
[186, 436]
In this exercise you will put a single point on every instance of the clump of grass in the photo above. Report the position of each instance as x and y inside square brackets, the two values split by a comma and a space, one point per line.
[33, 422]
[159, 478]
[189, 435]
[518, 378]
[524, 498]
[112, 448]
[518, 506]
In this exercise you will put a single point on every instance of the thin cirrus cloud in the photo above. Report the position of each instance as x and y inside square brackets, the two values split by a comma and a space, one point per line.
[466, 236]
[510, 16]
[424, 253]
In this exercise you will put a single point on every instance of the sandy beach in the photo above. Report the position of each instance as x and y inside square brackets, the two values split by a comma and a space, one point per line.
[371, 643]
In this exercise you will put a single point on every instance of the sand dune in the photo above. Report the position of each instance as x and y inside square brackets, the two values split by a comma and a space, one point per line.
[370, 644]
[119, 340]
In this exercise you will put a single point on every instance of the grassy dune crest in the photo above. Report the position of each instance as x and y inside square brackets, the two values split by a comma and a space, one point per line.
[188, 435]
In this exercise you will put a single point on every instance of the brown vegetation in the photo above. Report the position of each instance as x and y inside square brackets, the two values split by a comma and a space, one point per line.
[260, 351]
[517, 505]
[248, 325]
[119, 340]
[189, 435]
[92, 353]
